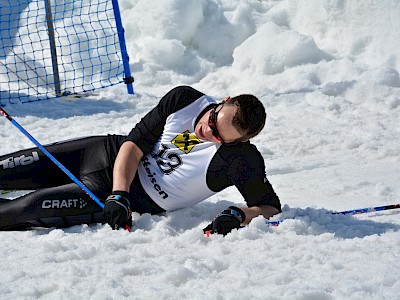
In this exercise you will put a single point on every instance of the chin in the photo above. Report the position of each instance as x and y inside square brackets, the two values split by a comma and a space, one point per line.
[197, 133]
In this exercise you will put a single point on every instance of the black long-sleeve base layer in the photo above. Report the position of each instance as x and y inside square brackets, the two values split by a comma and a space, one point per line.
[56, 200]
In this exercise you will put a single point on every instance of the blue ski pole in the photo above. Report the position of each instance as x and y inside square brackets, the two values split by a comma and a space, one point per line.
[367, 210]
[52, 158]
[349, 212]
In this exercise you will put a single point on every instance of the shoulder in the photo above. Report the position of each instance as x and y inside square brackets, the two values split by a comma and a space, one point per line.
[241, 151]
[178, 98]
[186, 91]
[242, 160]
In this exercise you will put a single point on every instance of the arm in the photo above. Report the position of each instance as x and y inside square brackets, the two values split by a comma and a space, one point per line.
[126, 165]
[252, 183]
[251, 212]
[117, 210]
[140, 141]
[146, 133]
[244, 167]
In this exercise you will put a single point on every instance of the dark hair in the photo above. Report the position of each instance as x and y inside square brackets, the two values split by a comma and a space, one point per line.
[250, 116]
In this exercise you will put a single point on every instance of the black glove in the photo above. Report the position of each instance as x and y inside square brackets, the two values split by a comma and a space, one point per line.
[117, 212]
[224, 222]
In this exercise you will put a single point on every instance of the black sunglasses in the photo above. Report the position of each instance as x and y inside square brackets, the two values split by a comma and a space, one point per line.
[212, 122]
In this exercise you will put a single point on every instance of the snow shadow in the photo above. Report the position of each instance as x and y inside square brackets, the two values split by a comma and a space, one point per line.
[10, 14]
[301, 221]
[307, 221]
[311, 221]
[57, 108]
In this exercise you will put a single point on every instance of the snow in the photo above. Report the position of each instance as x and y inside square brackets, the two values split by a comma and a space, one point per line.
[328, 74]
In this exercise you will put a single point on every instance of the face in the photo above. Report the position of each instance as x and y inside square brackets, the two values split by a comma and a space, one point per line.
[221, 120]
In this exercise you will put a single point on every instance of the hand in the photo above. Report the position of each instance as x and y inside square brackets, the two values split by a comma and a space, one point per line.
[117, 212]
[224, 222]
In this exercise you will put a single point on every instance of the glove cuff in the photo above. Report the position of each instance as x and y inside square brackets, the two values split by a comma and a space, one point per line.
[237, 213]
[121, 193]
[121, 198]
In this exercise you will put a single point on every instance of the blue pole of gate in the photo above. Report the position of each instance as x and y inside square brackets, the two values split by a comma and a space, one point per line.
[121, 38]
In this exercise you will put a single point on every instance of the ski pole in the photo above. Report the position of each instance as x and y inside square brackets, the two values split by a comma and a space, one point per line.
[52, 158]
[349, 212]
[367, 210]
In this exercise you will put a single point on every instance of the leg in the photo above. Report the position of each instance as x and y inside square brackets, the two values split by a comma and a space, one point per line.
[30, 169]
[61, 206]
[57, 202]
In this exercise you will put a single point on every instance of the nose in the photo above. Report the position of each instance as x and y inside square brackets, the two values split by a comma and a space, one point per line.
[207, 132]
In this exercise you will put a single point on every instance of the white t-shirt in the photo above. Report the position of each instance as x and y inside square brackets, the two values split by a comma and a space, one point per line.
[179, 154]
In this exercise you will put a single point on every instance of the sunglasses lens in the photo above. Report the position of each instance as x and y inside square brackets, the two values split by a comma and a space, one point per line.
[212, 123]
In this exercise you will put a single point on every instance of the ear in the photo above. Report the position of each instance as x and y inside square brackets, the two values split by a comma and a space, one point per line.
[225, 99]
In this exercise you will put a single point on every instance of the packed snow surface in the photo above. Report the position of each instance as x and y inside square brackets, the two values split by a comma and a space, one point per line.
[328, 75]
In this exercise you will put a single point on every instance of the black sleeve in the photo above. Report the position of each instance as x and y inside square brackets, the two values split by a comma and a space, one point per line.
[243, 166]
[147, 132]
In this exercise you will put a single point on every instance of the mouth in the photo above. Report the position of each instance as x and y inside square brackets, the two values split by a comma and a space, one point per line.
[201, 134]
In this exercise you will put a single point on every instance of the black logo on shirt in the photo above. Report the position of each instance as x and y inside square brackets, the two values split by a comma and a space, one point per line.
[167, 161]
[152, 178]
[185, 141]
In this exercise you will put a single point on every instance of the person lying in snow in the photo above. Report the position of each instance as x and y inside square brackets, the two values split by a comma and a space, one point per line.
[186, 149]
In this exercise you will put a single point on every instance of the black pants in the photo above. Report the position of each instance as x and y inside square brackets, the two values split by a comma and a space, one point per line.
[56, 200]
